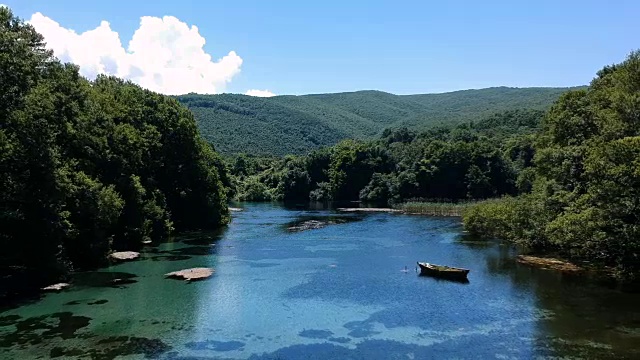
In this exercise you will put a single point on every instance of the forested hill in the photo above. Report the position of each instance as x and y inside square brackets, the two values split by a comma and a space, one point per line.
[296, 124]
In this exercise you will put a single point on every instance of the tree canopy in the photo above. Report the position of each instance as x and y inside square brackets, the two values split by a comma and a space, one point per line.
[475, 160]
[586, 181]
[89, 167]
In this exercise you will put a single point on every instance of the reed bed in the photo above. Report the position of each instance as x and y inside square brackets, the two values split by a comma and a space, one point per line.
[433, 208]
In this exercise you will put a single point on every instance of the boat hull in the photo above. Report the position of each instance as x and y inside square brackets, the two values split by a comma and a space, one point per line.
[443, 272]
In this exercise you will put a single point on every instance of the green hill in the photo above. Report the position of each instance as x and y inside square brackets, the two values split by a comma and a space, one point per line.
[296, 124]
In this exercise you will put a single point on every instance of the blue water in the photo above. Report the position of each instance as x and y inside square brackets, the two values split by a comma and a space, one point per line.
[346, 291]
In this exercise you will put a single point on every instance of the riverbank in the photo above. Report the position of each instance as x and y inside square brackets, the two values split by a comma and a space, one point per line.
[549, 263]
[415, 208]
[433, 208]
[600, 275]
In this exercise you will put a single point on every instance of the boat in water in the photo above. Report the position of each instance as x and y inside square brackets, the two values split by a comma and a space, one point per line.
[443, 272]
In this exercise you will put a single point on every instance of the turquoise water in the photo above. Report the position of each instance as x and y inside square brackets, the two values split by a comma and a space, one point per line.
[339, 292]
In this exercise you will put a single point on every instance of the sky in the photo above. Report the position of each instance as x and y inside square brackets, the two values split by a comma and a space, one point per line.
[263, 48]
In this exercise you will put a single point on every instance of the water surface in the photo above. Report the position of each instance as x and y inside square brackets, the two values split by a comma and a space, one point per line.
[345, 291]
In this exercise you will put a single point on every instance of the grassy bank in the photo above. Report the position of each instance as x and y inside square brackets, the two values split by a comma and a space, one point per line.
[433, 208]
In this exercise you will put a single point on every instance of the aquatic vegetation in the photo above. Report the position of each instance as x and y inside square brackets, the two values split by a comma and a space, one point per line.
[313, 223]
[434, 208]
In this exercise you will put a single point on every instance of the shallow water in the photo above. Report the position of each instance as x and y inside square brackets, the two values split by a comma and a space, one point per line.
[338, 292]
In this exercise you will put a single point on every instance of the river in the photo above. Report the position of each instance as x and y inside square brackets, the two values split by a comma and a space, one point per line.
[346, 291]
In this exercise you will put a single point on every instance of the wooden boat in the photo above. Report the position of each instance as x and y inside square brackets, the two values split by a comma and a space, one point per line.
[444, 272]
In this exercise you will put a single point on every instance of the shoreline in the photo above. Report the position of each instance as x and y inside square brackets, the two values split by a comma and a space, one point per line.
[599, 275]
[549, 263]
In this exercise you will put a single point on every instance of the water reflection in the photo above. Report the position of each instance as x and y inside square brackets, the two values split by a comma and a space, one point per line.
[585, 317]
[437, 279]
[116, 279]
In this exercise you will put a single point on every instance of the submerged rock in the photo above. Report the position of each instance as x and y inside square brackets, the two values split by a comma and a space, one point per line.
[548, 263]
[56, 287]
[309, 225]
[124, 255]
[318, 222]
[191, 274]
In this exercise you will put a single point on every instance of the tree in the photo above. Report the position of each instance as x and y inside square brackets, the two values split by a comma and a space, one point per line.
[90, 167]
[584, 201]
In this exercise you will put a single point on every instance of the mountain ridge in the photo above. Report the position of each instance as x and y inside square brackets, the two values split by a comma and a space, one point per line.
[295, 124]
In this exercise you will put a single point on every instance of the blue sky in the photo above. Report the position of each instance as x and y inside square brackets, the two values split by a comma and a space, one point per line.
[403, 47]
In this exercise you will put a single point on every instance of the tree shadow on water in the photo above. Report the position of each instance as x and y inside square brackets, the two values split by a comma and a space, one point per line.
[114, 279]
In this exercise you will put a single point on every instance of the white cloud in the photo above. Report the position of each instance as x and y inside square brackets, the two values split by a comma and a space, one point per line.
[259, 93]
[3, 5]
[164, 55]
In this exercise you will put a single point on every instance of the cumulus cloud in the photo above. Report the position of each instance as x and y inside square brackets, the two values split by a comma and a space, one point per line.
[164, 54]
[259, 93]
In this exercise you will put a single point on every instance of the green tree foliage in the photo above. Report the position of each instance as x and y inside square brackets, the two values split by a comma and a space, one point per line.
[471, 168]
[585, 200]
[467, 161]
[352, 165]
[296, 181]
[382, 189]
[89, 167]
[284, 125]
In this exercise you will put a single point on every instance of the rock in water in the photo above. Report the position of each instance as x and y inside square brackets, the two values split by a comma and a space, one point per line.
[56, 287]
[191, 274]
[124, 255]
[235, 209]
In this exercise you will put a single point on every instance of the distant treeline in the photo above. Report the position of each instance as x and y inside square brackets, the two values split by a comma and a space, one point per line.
[476, 160]
[90, 167]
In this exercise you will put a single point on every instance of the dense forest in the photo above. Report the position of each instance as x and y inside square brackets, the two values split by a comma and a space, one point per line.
[585, 199]
[284, 125]
[475, 160]
[90, 167]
